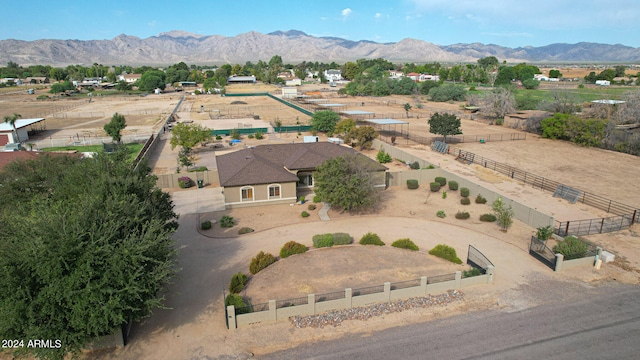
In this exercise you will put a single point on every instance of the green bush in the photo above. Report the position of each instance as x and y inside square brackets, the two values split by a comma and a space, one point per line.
[218, 137]
[304, 214]
[445, 252]
[441, 180]
[434, 186]
[261, 261]
[405, 243]
[471, 273]
[245, 230]
[237, 302]
[412, 184]
[464, 192]
[415, 165]
[199, 169]
[322, 240]
[487, 217]
[292, 248]
[462, 215]
[453, 185]
[185, 182]
[259, 135]
[311, 207]
[205, 225]
[237, 283]
[317, 199]
[544, 232]
[572, 248]
[480, 199]
[371, 239]
[444, 195]
[227, 221]
[342, 239]
[441, 214]
[250, 136]
[465, 201]
[383, 157]
[430, 166]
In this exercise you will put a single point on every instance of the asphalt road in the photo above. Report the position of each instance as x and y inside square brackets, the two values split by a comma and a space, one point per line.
[603, 324]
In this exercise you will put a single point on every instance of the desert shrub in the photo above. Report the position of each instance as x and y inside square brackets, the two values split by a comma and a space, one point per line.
[292, 248]
[42, 97]
[259, 135]
[322, 240]
[471, 273]
[237, 283]
[444, 195]
[544, 232]
[462, 215]
[371, 239]
[218, 137]
[441, 180]
[185, 182]
[250, 136]
[464, 192]
[441, 214]
[205, 225]
[383, 157]
[415, 165]
[571, 247]
[480, 199]
[405, 243]
[434, 186]
[245, 230]
[412, 184]
[317, 199]
[453, 185]
[312, 206]
[342, 239]
[261, 261]
[199, 169]
[237, 302]
[487, 217]
[304, 214]
[445, 252]
[430, 166]
[227, 221]
[465, 201]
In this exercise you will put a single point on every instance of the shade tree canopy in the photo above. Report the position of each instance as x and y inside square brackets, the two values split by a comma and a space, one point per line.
[114, 127]
[444, 124]
[325, 121]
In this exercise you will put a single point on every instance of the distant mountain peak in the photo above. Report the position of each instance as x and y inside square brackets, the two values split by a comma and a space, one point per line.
[290, 33]
[180, 34]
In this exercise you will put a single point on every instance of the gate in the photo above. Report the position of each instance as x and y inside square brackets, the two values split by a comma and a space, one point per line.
[477, 259]
[540, 251]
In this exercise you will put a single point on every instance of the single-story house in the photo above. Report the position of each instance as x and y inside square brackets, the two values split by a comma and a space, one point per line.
[129, 78]
[36, 80]
[279, 173]
[8, 135]
[333, 75]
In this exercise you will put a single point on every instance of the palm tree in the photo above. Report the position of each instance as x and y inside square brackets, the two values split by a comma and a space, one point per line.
[12, 121]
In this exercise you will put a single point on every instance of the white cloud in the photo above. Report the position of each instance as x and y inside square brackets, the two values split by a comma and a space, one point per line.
[346, 12]
[378, 16]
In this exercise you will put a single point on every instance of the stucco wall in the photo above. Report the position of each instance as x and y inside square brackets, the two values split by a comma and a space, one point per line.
[232, 195]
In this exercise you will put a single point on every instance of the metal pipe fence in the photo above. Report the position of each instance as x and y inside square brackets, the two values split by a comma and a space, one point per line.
[292, 302]
[368, 290]
[330, 296]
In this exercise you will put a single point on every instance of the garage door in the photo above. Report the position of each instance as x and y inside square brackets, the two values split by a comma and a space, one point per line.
[4, 139]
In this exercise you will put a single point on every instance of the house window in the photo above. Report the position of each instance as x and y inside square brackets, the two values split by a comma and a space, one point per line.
[305, 180]
[246, 193]
[274, 191]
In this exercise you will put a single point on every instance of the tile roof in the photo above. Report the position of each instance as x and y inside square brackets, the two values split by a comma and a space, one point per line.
[266, 164]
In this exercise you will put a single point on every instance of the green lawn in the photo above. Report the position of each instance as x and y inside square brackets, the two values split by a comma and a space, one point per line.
[132, 149]
[581, 95]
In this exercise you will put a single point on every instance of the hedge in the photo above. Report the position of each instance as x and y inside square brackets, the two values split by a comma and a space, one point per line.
[465, 201]
[453, 185]
[322, 240]
[572, 248]
[237, 302]
[342, 239]
[488, 217]
[434, 186]
[405, 243]
[261, 261]
[205, 225]
[412, 184]
[441, 180]
[464, 192]
[371, 239]
[237, 283]
[480, 199]
[445, 252]
[292, 248]
[462, 215]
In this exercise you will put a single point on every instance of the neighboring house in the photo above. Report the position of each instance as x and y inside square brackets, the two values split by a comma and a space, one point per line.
[312, 74]
[129, 78]
[413, 76]
[233, 79]
[278, 173]
[36, 80]
[333, 75]
[395, 74]
[8, 135]
[293, 82]
[603, 82]
[540, 77]
[428, 77]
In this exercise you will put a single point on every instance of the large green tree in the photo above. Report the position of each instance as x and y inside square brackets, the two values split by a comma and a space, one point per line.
[347, 182]
[363, 135]
[444, 124]
[85, 246]
[187, 136]
[114, 127]
[151, 80]
[325, 120]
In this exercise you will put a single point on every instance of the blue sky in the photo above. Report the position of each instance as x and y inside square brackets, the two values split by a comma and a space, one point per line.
[510, 23]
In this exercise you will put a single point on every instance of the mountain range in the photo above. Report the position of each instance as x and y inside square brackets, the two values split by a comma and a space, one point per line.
[293, 46]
